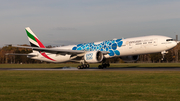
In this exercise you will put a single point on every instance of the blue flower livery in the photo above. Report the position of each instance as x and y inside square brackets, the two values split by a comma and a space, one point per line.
[110, 46]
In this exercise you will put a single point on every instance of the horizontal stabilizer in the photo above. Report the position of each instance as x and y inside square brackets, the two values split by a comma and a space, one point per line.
[20, 54]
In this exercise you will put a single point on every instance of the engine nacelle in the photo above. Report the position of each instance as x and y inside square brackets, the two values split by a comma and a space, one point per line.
[93, 57]
[130, 58]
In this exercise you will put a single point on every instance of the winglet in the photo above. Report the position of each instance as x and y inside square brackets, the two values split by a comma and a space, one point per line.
[33, 39]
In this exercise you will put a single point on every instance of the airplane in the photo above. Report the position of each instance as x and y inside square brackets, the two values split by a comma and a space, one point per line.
[128, 49]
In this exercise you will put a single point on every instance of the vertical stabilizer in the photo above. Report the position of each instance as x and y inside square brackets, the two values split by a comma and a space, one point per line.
[33, 39]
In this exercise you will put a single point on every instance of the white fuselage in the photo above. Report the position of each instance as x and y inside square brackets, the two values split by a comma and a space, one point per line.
[116, 47]
[146, 45]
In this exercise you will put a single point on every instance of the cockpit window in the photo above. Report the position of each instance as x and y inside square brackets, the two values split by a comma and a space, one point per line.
[170, 40]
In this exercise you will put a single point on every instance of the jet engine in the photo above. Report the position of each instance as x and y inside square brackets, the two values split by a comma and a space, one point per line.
[93, 57]
[130, 58]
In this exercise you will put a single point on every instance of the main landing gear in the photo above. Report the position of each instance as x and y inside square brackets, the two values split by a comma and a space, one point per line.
[104, 65]
[83, 66]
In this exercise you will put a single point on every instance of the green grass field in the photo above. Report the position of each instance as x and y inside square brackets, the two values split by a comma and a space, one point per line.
[89, 85]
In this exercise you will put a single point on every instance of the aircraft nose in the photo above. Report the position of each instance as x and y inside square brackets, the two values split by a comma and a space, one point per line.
[174, 43]
[171, 45]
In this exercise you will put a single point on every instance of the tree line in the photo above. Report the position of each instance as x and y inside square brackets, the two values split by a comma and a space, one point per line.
[12, 59]
[173, 55]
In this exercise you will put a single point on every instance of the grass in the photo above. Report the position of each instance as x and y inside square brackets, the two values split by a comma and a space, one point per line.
[90, 85]
[91, 65]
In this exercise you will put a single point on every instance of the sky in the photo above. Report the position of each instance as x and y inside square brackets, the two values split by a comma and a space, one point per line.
[66, 22]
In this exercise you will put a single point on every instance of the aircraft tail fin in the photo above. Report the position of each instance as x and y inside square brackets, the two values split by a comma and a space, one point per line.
[33, 39]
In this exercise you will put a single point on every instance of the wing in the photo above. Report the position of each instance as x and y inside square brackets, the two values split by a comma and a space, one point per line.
[58, 51]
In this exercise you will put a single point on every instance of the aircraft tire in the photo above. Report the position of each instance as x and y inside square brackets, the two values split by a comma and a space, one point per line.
[104, 65]
[108, 65]
[100, 67]
[82, 67]
[87, 66]
[79, 67]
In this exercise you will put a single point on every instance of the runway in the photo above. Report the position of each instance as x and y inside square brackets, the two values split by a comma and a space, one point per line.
[96, 69]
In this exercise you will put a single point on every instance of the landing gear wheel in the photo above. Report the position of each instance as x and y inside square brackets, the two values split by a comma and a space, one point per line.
[87, 66]
[82, 67]
[108, 65]
[79, 67]
[104, 65]
[100, 67]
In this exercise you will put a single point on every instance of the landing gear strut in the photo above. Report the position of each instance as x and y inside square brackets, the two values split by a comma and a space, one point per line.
[104, 65]
[163, 54]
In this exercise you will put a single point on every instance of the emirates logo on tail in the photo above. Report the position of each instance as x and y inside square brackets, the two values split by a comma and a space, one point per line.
[35, 42]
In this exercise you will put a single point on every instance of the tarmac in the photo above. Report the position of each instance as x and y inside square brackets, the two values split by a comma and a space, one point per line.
[96, 69]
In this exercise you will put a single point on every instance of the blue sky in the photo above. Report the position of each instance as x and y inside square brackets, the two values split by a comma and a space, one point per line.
[65, 22]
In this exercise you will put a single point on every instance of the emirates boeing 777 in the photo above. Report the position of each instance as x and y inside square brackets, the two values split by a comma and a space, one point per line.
[127, 49]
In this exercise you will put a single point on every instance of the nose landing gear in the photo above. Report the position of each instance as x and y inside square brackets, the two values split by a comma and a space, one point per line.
[163, 54]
